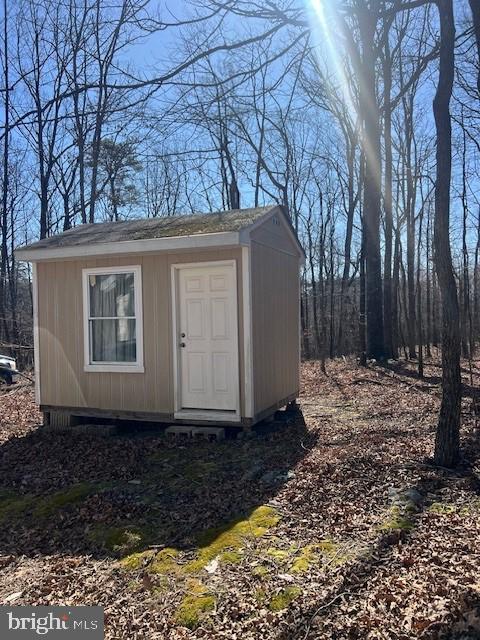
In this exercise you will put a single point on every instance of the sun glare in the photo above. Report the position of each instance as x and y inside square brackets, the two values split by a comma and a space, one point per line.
[326, 32]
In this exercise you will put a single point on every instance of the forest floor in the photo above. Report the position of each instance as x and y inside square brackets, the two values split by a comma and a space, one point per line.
[331, 524]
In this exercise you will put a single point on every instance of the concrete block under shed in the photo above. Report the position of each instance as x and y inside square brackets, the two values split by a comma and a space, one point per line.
[209, 433]
[179, 431]
[190, 431]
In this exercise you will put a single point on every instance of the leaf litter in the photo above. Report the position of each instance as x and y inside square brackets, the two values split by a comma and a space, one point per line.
[333, 523]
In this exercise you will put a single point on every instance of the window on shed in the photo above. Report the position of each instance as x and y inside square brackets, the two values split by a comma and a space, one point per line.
[113, 318]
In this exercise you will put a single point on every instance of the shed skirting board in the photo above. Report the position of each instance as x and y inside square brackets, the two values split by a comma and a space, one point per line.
[213, 417]
[67, 413]
[271, 410]
[140, 416]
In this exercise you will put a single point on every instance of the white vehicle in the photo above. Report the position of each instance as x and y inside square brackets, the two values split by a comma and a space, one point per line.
[8, 369]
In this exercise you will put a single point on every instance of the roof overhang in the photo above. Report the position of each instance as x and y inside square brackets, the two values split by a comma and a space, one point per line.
[225, 239]
[173, 243]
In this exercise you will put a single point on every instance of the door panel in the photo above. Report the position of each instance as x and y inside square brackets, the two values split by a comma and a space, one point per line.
[195, 314]
[207, 335]
[220, 318]
[221, 364]
[196, 372]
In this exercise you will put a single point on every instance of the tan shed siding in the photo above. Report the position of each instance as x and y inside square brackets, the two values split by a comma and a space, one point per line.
[60, 316]
[275, 320]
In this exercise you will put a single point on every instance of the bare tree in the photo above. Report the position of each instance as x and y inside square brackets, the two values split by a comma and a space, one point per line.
[447, 442]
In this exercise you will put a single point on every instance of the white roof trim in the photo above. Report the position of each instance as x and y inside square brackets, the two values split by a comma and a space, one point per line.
[245, 233]
[197, 241]
[168, 243]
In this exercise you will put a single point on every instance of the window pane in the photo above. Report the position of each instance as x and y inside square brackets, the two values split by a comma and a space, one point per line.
[112, 295]
[113, 341]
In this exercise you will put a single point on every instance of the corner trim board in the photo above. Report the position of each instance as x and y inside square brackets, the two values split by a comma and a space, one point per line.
[247, 332]
[36, 334]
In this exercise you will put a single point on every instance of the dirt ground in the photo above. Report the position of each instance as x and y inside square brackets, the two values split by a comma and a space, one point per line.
[331, 523]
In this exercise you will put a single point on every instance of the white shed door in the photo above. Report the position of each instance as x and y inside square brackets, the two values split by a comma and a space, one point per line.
[207, 333]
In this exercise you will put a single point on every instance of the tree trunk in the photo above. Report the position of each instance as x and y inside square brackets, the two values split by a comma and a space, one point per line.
[476, 292]
[388, 202]
[395, 294]
[465, 309]
[304, 317]
[447, 442]
[332, 295]
[475, 8]
[371, 192]
[362, 336]
[419, 294]
[5, 186]
[428, 292]
[352, 202]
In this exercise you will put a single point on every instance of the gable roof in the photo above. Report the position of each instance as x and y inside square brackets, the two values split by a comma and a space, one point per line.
[150, 234]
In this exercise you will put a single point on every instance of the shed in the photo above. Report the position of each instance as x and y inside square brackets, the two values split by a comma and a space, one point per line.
[184, 319]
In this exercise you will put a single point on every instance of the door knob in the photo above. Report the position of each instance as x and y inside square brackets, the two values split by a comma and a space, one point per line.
[183, 345]
[182, 335]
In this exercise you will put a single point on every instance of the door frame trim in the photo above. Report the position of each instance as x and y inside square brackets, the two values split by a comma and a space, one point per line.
[201, 414]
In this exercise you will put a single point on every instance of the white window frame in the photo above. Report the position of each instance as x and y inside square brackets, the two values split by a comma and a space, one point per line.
[114, 367]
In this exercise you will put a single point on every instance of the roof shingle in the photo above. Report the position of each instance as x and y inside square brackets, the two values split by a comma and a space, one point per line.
[145, 228]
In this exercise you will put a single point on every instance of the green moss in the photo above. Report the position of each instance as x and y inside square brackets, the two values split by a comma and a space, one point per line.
[194, 605]
[119, 540]
[283, 598]
[470, 509]
[162, 587]
[307, 556]
[225, 543]
[326, 546]
[231, 557]
[280, 555]
[441, 508]
[198, 470]
[448, 508]
[328, 551]
[397, 520]
[49, 504]
[13, 505]
[165, 562]
[260, 596]
[260, 571]
[232, 536]
[135, 561]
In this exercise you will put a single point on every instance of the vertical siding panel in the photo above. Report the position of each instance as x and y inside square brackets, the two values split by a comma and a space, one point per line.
[275, 276]
[50, 325]
[60, 308]
[149, 267]
[134, 384]
[64, 331]
[162, 334]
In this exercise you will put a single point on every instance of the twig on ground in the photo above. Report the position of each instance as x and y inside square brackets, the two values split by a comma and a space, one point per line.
[322, 608]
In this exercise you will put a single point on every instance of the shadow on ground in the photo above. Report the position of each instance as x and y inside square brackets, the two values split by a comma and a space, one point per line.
[335, 614]
[406, 370]
[111, 496]
[465, 623]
